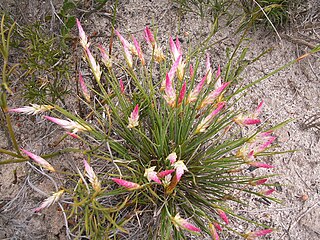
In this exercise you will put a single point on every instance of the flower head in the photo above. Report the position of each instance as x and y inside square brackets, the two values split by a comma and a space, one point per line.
[218, 77]
[165, 173]
[267, 192]
[260, 165]
[176, 51]
[95, 67]
[175, 48]
[170, 93]
[151, 175]
[84, 88]
[223, 216]
[260, 233]
[139, 51]
[208, 69]
[256, 145]
[83, 38]
[204, 124]
[126, 44]
[33, 109]
[258, 182]
[92, 177]
[213, 95]
[171, 73]
[213, 232]
[157, 51]
[128, 185]
[180, 168]
[68, 124]
[182, 93]
[172, 157]
[249, 119]
[191, 71]
[50, 200]
[149, 37]
[179, 222]
[158, 54]
[134, 117]
[39, 160]
[105, 57]
[193, 96]
[121, 86]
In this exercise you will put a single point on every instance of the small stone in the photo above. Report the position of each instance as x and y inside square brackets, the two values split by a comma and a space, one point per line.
[304, 197]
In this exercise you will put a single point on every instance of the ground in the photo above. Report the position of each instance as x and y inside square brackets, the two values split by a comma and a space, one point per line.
[293, 93]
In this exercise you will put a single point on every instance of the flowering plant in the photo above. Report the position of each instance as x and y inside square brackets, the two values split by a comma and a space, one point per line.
[169, 139]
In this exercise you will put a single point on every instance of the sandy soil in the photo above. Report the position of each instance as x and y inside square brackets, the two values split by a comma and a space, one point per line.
[294, 93]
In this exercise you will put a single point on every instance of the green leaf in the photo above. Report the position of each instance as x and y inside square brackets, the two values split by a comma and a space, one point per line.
[71, 22]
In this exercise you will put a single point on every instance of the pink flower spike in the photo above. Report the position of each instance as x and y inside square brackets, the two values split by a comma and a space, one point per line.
[164, 173]
[151, 175]
[126, 44]
[268, 141]
[121, 86]
[104, 57]
[218, 74]
[73, 135]
[33, 109]
[196, 91]
[213, 95]
[223, 216]
[217, 226]
[259, 182]
[134, 117]
[213, 232]
[49, 201]
[260, 233]
[149, 37]
[95, 67]
[180, 168]
[218, 78]
[268, 192]
[83, 38]
[139, 51]
[175, 48]
[128, 185]
[204, 124]
[170, 93]
[179, 222]
[251, 121]
[93, 179]
[68, 124]
[191, 71]
[84, 88]
[182, 92]
[128, 56]
[259, 108]
[208, 69]
[39, 160]
[172, 157]
[260, 165]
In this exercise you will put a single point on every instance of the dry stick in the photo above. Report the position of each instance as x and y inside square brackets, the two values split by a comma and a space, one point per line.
[298, 41]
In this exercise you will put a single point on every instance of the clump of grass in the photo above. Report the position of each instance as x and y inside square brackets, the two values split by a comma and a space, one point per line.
[44, 63]
[274, 12]
[267, 12]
